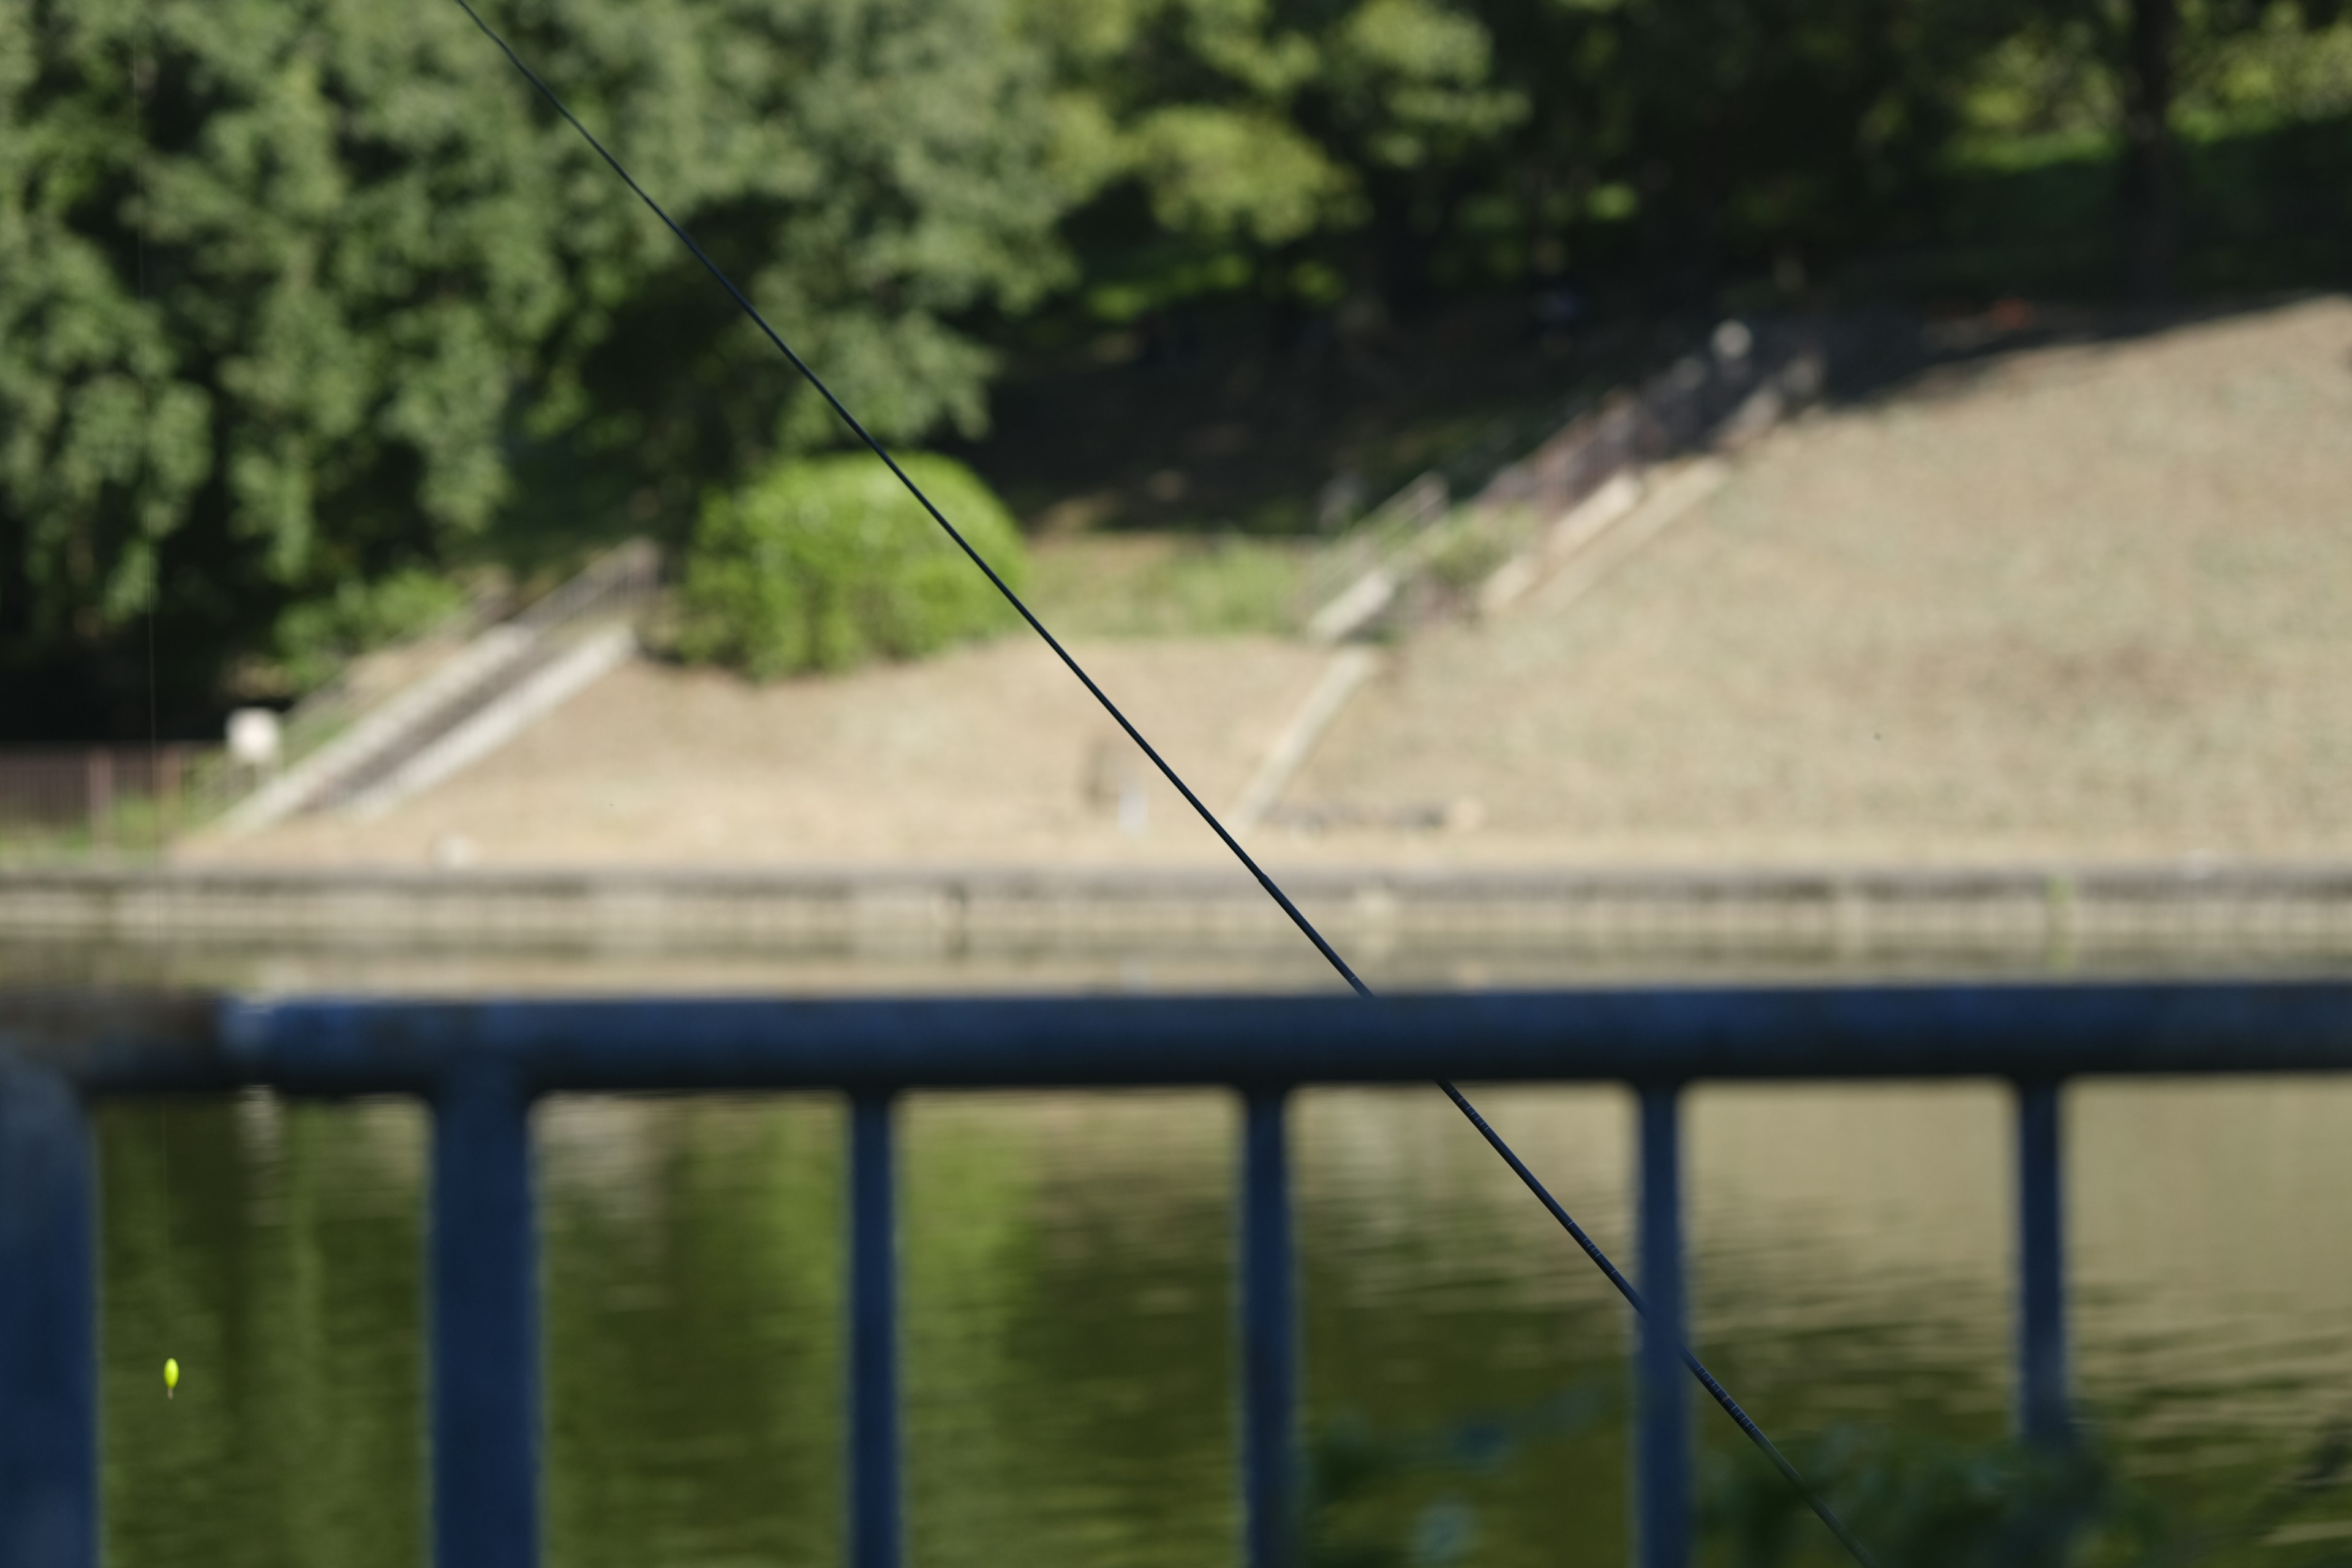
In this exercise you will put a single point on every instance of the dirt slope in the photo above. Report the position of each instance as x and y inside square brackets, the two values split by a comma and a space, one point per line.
[989, 754]
[2078, 602]
[2082, 600]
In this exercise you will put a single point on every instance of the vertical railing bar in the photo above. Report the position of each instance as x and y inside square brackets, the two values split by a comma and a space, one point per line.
[1269, 1327]
[1662, 1405]
[2043, 1406]
[875, 1486]
[49, 1325]
[483, 1277]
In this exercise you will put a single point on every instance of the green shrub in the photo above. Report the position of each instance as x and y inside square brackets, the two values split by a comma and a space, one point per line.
[826, 563]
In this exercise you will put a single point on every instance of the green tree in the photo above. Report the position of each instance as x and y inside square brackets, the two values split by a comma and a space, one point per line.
[2161, 46]
[300, 293]
[876, 175]
[1278, 145]
[2127, 71]
[1698, 140]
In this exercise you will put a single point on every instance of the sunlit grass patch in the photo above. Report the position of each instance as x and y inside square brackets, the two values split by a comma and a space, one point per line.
[1167, 584]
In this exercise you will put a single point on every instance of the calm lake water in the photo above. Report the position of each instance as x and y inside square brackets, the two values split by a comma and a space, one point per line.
[1069, 1354]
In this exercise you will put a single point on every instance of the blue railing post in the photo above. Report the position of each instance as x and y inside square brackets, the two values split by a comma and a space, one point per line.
[1269, 1313]
[2042, 1414]
[485, 1323]
[49, 1326]
[1662, 1404]
[874, 1482]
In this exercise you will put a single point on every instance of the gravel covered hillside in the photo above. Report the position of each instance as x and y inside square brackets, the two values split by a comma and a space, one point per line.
[2089, 600]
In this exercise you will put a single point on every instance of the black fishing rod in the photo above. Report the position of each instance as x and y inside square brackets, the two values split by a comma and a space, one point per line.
[1706, 1380]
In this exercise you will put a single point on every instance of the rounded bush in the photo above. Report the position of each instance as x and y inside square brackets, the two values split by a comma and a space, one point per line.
[825, 563]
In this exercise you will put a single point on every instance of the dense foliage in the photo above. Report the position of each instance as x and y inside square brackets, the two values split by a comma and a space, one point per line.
[297, 294]
[301, 298]
[824, 562]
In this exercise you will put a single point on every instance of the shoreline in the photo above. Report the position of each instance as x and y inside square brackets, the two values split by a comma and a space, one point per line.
[2058, 909]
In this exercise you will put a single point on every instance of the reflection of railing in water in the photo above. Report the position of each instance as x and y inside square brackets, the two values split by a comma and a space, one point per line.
[482, 1065]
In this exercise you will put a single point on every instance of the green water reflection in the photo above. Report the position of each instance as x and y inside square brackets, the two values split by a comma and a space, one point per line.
[1069, 1345]
[273, 1251]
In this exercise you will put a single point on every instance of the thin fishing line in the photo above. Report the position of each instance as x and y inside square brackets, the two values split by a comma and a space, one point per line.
[146, 411]
[154, 596]
[1272, 889]
[1706, 1379]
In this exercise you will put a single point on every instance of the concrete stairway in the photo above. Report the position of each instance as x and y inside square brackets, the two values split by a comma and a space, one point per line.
[473, 703]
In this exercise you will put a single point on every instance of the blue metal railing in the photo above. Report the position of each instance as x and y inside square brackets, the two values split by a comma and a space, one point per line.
[481, 1064]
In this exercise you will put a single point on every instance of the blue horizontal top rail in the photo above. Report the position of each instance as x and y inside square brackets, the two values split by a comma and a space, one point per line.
[2021, 1031]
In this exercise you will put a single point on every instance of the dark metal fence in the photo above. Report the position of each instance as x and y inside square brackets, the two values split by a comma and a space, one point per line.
[481, 1064]
[71, 799]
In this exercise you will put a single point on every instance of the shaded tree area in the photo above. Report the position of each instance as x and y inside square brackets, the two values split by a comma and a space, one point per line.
[308, 311]
[298, 296]
[1676, 153]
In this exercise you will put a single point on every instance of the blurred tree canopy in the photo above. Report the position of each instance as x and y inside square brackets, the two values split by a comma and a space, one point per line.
[301, 298]
[294, 293]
